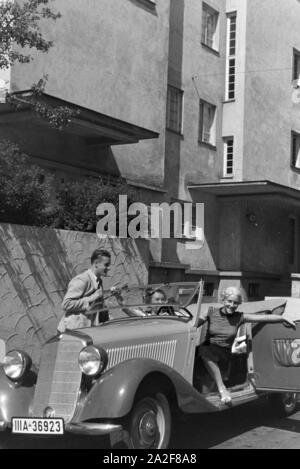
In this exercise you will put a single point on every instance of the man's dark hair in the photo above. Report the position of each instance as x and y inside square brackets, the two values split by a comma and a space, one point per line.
[99, 253]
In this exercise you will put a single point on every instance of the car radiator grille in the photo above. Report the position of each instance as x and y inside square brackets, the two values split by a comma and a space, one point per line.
[59, 378]
[161, 351]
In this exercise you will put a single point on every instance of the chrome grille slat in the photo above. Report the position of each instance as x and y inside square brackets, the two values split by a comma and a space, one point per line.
[161, 351]
[59, 378]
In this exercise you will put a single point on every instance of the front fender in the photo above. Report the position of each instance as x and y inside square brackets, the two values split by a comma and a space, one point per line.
[15, 399]
[113, 395]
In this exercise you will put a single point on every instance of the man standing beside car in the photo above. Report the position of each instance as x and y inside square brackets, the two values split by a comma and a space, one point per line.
[85, 295]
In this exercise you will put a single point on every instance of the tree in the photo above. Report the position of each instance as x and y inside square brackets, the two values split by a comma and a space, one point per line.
[19, 26]
[19, 32]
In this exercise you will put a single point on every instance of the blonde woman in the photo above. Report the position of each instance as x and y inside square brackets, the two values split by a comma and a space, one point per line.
[223, 324]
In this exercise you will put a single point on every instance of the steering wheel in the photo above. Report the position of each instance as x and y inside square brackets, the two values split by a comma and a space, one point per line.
[166, 311]
[170, 311]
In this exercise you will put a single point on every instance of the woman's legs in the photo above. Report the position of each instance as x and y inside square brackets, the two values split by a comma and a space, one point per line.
[211, 361]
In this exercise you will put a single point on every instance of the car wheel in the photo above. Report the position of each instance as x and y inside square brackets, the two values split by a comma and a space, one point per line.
[284, 404]
[149, 423]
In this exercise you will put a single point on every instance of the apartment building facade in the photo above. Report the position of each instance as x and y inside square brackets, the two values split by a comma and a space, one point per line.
[191, 100]
[109, 61]
[237, 149]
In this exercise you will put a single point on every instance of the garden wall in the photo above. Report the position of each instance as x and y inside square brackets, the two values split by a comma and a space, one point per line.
[36, 265]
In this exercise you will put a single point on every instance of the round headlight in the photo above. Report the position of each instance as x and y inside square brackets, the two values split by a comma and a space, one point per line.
[15, 364]
[92, 360]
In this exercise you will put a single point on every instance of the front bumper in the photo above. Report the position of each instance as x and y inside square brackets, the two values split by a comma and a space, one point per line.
[89, 428]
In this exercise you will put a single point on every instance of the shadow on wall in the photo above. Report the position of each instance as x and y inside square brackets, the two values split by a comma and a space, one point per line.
[36, 266]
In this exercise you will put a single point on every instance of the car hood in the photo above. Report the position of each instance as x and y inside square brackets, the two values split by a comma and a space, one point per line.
[135, 330]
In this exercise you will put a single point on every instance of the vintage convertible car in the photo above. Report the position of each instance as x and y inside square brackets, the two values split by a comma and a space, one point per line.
[131, 376]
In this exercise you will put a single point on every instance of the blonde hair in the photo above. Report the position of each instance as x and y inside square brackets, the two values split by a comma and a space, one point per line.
[232, 291]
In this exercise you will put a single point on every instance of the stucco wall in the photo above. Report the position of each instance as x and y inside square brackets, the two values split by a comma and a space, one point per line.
[233, 111]
[259, 246]
[265, 247]
[202, 78]
[199, 72]
[270, 115]
[35, 268]
[207, 256]
[111, 57]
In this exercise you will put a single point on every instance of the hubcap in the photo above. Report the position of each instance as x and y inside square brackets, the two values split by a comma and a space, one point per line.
[148, 427]
[148, 423]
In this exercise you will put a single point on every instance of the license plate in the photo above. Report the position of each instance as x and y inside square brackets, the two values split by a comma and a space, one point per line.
[38, 426]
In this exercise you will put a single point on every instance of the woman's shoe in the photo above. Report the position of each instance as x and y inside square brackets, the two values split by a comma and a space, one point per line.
[225, 396]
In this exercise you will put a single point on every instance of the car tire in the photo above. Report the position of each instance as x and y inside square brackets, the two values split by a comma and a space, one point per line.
[148, 425]
[284, 404]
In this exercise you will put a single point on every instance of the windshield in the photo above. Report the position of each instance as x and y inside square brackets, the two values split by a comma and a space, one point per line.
[171, 300]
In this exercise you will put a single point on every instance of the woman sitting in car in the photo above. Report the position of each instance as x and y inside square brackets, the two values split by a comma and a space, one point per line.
[223, 324]
[153, 298]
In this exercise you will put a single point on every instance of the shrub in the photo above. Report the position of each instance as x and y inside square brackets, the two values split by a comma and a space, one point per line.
[25, 188]
[28, 195]
[77, 201]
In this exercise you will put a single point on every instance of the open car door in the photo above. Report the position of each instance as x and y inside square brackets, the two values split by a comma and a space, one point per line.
[276, 351]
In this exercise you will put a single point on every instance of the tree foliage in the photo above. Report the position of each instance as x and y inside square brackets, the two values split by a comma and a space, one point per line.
[57, 116]
[29, 194]
[25, 189]
[20, 28]
[19, 32]
[77, 201]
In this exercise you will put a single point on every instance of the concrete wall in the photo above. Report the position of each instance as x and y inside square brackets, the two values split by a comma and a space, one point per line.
[270, 115]
[265, 247]
[230, 235]
[111, 57]
[36, 266]
[262, 246]
[207, 257]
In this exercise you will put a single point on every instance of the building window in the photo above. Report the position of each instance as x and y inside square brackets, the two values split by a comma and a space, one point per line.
[231, 56]
[296, 65]
[174, 109]
[209, 26]
[228, 157]
[295, 150]
[207, 123]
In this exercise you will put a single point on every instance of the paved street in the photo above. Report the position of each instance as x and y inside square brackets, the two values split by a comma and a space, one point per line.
[249, 427]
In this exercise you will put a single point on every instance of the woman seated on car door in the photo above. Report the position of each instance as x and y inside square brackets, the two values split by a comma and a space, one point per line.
[223, 324]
